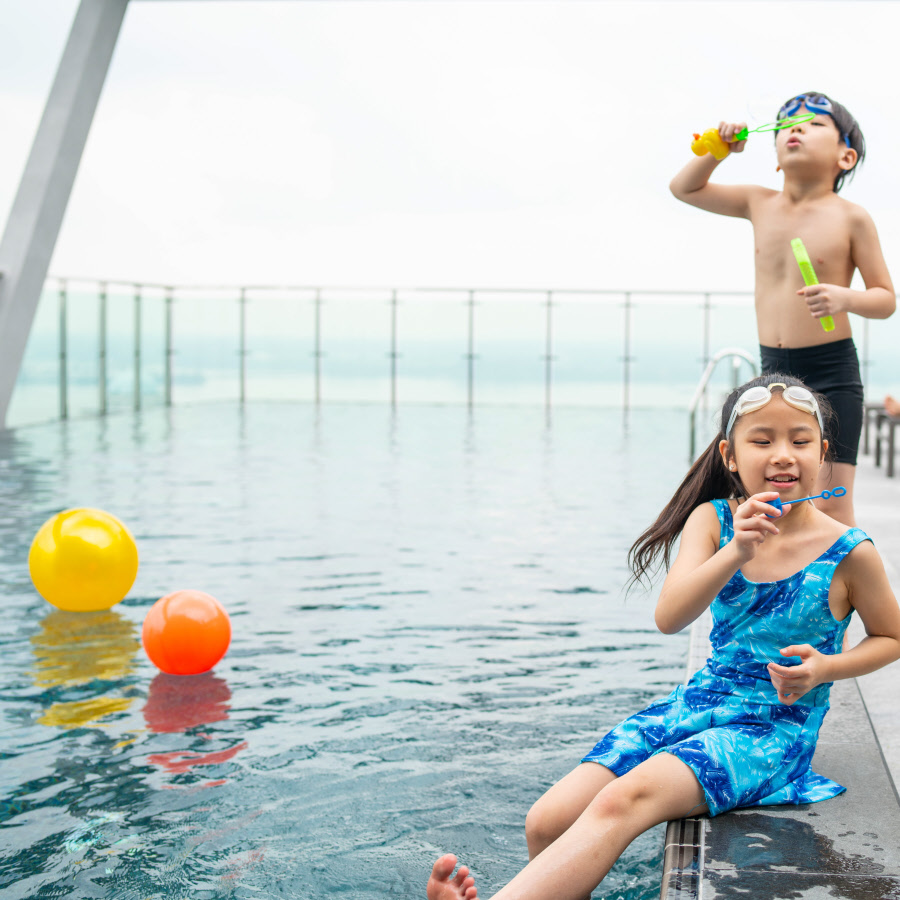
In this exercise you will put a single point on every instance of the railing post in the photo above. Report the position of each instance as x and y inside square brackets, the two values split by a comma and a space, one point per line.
[692, 448]
[393, 353]
[317, 351]
[470, 356]
[101, 355]
[626, 359]
[707, 310]
[137, 347]
[548, 352]
[735, 372]
[168, 350]
[63, 353]
[243, 348]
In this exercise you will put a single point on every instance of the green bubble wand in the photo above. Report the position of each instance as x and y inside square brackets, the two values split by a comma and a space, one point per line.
[809, 275]
[744, 133]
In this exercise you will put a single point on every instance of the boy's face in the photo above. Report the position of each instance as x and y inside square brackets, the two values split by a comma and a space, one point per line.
[816, 142]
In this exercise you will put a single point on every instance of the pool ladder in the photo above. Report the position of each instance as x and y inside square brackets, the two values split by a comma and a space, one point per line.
[736, 355]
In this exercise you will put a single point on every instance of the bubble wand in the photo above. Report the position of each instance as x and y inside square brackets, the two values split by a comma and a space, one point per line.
[775, 126]
[778, 502]
[711, 142]
[809, 275]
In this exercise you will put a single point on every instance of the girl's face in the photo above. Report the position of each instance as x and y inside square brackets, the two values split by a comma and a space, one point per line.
[777, 448]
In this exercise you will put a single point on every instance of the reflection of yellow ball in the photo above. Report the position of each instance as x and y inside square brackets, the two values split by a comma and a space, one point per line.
[83, 560]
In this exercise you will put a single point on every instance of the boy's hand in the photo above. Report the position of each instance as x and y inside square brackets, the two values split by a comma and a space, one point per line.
[727, 131]
[792, 682]
[825, 299]
[751, 525]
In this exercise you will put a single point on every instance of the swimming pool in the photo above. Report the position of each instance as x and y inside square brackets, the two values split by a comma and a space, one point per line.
[429, 629]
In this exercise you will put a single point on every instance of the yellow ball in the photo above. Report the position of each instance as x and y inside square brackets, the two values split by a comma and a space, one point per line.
[83, 560]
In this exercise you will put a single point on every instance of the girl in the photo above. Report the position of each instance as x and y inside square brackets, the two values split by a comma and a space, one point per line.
[781, 587]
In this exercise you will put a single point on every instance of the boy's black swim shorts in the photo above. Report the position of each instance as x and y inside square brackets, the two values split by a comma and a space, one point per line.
[832, 370]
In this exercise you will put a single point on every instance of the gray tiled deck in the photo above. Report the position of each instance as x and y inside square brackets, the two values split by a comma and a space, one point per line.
[848, 847]
[878, 513]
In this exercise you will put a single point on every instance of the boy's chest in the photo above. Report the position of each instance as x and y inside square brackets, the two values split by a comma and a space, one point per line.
[826, 237]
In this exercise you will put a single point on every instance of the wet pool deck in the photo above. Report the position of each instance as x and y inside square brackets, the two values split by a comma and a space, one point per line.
[846, 848]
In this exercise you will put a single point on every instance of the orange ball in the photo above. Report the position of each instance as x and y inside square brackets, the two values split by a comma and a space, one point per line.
[186, 633]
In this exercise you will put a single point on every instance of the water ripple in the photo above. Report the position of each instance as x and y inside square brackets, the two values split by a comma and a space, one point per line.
[428, 632]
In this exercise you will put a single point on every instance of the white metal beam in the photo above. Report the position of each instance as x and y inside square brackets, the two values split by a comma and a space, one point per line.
[37, 211]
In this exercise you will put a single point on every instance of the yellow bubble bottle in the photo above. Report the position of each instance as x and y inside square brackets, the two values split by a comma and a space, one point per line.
[710, 142]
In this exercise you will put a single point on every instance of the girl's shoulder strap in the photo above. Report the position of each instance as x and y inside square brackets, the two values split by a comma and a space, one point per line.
[726, 523]
[845, 543]
[831, 558]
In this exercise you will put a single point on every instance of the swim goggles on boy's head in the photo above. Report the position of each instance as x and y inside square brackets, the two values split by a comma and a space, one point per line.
[757, 397]
[815, 103]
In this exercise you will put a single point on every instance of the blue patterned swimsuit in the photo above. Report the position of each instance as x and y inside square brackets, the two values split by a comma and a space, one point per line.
[745, 747]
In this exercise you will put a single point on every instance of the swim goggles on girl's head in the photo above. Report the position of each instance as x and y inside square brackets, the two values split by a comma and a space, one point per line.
[815, 103]
[757, 397]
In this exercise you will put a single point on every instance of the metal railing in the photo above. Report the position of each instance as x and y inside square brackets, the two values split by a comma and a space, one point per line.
[736, 355]
[617, 331]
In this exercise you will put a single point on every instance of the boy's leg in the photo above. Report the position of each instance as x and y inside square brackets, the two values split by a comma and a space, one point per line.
[840, 508]
[660, 789]
[562, 804]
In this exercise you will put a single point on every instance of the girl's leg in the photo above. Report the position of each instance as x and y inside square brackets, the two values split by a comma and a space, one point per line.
[657, 790]
[561, 805]
[443, 885]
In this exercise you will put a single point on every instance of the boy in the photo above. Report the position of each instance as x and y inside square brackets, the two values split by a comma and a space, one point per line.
[815, 156]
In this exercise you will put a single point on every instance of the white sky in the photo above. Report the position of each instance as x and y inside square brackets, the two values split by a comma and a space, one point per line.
[471, 142]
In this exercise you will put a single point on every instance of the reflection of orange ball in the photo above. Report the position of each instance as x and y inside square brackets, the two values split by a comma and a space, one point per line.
[175, 704]
[186, 633]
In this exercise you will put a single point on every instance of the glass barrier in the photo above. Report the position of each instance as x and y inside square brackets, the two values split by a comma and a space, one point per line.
[98, 347]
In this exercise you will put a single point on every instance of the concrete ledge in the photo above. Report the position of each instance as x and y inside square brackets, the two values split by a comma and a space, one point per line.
[685, 841]
[848, 847]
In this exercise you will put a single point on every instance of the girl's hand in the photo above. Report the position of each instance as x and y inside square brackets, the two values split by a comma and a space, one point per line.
[751, 527]
[727, 131]
[825, 299]
[792, 682]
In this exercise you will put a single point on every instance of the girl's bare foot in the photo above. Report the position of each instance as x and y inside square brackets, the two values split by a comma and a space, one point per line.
[442, 887]
[892, 406]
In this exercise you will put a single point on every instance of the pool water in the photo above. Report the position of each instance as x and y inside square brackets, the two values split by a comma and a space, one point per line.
[429, 629]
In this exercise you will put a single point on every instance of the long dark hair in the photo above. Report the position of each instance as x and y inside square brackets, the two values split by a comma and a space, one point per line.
[709, 478]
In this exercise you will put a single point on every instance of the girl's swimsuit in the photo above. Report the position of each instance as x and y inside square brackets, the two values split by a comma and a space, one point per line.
[745, 746]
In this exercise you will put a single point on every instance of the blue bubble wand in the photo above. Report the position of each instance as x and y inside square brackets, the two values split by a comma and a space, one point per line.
[778, 503]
